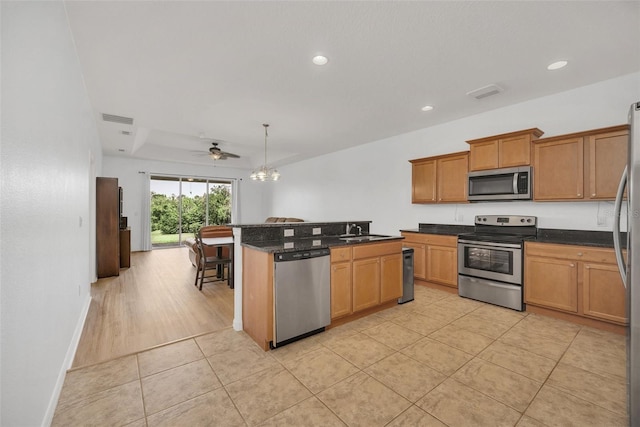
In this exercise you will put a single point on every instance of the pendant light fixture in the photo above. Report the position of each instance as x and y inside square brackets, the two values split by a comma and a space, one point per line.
[265, 173]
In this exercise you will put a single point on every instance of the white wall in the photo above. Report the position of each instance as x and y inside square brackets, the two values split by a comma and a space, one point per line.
[251, 201]
[48, 140]
[373, 181]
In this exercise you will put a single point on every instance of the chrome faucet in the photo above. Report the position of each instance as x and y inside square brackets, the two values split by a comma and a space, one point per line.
[350, 229]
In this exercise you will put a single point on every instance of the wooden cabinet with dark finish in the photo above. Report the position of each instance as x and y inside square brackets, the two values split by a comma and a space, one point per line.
[125, 248]
[107, 227]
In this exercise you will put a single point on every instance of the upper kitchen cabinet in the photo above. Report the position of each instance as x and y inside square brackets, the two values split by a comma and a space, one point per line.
[580, 166]
[502, 151]
[440, 179]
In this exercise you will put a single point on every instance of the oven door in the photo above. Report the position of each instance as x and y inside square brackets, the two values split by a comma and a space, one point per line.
[493, 261]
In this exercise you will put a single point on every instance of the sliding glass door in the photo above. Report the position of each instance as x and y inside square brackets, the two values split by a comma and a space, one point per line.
[181, 205]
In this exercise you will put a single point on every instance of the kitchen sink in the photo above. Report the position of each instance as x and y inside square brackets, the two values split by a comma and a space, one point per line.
[363, 238]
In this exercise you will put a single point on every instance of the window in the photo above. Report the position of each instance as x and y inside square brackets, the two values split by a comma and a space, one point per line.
[181, 205]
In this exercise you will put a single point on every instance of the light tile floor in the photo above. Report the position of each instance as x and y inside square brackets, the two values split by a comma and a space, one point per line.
[440, 360]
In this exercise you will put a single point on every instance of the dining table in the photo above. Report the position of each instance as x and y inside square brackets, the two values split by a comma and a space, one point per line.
[219, 243]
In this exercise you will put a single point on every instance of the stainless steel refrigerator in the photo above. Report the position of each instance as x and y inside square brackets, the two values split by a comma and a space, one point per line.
[630, 268]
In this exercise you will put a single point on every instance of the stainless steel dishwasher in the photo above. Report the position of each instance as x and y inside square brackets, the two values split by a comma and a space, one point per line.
[302, 294]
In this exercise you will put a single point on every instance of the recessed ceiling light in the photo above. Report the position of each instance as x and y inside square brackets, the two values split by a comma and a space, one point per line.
[427, 108]
[557, 65]
[121, 150]
[320, 60]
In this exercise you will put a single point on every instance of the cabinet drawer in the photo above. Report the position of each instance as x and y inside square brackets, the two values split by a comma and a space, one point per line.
[572, 252]
[369, 250]
[432, 239]
[341, 254]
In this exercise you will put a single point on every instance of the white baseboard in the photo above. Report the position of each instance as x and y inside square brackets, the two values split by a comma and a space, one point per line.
[68, 361]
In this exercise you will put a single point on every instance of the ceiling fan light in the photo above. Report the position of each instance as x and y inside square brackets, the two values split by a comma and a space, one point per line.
[215, 156]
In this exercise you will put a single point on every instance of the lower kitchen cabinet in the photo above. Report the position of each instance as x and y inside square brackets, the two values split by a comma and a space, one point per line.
[340, 289]
[364, 276]
[551, 283]
[579, 280]
[435, 257]
[603, 292]
[366, 283]
[390, 277]
[442, 265]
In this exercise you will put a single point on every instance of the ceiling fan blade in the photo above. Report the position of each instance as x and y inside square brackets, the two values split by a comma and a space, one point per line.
[230, 155]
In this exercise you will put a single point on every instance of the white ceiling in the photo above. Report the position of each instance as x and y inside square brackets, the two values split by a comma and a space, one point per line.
[181, 69]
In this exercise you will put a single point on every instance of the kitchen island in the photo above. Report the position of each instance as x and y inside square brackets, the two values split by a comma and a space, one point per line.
[365, 274]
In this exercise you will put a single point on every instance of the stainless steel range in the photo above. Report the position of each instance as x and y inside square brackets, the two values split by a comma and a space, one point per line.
[490, 259]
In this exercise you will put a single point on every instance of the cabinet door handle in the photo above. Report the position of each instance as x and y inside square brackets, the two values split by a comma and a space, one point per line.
[593, 195]
[579, 195]
[579, 253]
[587, 267]
[572, 265]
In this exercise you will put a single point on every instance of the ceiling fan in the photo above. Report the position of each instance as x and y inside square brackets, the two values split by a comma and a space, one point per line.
[217, 154]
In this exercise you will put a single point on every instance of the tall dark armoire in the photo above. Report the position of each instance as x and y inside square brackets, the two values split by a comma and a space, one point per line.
[107, 227]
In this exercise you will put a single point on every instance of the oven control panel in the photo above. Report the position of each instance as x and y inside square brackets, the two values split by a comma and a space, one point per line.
[506, 220]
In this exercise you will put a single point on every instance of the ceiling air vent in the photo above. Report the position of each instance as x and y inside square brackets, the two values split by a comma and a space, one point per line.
[117, 119]
[485, 91]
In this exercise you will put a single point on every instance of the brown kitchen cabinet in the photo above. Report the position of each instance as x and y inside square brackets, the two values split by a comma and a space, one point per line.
[377, 274]
[580, 166]
[435, 257]
[366, 283]
[440, 179]
[364, 276]
[502, 151]
[341, 273]
[580, 280]
[390, 277]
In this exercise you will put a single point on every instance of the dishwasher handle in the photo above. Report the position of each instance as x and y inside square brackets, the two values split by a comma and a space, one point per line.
[298, 255]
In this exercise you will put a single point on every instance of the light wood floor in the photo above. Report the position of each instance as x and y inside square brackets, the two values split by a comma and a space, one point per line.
[152, 303]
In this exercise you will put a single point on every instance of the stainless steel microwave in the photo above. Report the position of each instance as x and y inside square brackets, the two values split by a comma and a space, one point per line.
[500, 184]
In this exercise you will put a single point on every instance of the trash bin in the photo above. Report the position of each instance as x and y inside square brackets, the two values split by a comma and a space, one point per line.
[407, 276]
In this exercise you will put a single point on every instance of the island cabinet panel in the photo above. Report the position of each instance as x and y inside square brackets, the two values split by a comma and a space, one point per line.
[390, 277]
[340, 289]
[580, 166]
[502, 151]
[366, 283]
[551, 283]
[440, 179]
[257, 296]
[603, 292]
[581, 280]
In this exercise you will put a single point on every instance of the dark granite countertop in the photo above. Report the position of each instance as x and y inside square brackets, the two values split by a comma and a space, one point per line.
[301, 244]
[294, 224]
[445, 229]
[602, 239]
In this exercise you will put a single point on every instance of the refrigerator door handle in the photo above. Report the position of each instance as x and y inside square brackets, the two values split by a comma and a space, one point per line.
[616, 228]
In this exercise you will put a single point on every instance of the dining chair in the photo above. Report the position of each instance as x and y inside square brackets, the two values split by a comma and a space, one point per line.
[211, 262]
